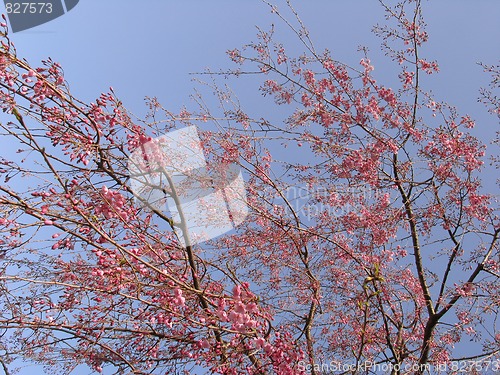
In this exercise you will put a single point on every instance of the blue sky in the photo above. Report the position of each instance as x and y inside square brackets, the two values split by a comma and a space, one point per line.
[148, 48]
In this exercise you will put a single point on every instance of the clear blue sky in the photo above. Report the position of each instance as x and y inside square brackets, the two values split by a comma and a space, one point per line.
[150, 47]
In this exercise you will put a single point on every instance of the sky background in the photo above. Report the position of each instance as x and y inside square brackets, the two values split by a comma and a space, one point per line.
[149, 47]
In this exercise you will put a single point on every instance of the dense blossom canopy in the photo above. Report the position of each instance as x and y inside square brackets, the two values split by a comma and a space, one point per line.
[371, 240]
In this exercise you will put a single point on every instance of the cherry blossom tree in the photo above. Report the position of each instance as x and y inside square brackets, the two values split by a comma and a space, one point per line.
[369, 241]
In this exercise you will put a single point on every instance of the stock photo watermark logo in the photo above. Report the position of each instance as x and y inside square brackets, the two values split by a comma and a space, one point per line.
[24, 15]
[310, 203]
[170, 175]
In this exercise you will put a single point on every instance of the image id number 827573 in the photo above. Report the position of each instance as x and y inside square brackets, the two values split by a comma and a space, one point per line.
[24, 8]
